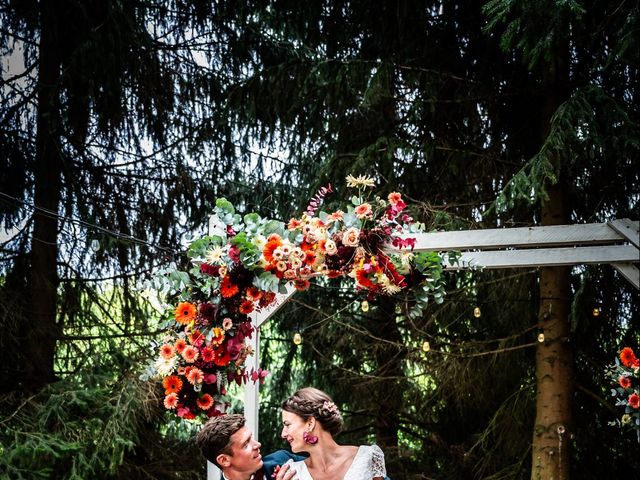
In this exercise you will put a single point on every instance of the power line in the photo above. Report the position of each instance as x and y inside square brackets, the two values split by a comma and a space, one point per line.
[118, 235]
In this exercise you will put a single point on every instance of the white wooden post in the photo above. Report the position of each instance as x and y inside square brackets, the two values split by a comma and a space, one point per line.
[252, 391]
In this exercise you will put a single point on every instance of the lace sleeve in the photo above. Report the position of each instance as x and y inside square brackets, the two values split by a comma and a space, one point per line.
[377, 462]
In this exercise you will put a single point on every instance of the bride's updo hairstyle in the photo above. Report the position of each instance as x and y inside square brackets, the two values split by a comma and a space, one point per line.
[310, 402]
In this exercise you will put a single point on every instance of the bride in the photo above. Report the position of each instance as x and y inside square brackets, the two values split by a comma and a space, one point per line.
[310, 421]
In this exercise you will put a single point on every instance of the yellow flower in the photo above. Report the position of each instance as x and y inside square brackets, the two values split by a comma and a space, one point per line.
[360, 181]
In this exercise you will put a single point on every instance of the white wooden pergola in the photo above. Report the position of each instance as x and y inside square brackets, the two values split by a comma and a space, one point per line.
[615, 242]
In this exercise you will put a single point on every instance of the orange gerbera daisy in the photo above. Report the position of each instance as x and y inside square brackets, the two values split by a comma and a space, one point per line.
[228, 288]
[186, 312]
[171, 401]
[273, 243]
[167, 351]
[627, 357]
[310, 258]
[181, 344]
[205, 402]
[246, 307]
[190, 354]
[195, 375]
[171, 384]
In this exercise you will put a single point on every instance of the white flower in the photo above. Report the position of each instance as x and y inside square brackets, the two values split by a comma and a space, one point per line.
[388, 287]
[215, 255]
[165, 366]
[360, 181]
[330, 247]
[259, 241]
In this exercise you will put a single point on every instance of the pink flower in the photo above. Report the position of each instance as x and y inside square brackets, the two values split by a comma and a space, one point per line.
[227, 323]
[363, 211]
[394, 198]
[624, 381]
[190, 354]
[195, 376]
[171, 401]
[351, 237]
[167, 351]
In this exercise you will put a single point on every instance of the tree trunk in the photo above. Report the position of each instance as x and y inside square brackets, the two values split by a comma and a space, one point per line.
[41, 343]
[554, 357]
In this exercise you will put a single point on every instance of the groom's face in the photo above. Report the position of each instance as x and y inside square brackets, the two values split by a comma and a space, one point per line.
[245, 453]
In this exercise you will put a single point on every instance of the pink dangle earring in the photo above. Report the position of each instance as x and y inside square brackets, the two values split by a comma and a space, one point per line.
[309, 438]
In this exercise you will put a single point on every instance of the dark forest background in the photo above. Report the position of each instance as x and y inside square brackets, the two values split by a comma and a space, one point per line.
[122, 121]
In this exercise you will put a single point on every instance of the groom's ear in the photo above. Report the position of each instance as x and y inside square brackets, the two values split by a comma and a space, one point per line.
[223, 460]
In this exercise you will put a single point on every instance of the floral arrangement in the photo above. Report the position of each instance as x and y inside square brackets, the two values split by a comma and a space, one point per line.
[624, 374]
[245, 261]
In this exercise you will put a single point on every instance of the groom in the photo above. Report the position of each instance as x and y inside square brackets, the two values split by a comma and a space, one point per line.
[229, 444]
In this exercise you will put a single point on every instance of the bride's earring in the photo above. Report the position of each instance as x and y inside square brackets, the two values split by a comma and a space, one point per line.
[309, 438]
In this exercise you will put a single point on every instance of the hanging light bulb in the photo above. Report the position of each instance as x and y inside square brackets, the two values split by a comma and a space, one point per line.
[297, 338]
[364, 306]
[477, 312]
[425, 346]
[541, 337]
[596, 312]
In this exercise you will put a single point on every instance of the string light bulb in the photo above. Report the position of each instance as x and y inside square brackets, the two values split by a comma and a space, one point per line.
[596, 312]
[477, 312]
[297, 338]
[426, 346]
[364, 306]
[541, 337]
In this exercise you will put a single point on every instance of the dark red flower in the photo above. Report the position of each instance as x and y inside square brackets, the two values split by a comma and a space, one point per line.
[209, 269]
[246, 307]
[221, 357]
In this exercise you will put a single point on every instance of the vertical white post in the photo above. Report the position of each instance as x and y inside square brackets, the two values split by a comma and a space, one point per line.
[251, 389]
[213, 472]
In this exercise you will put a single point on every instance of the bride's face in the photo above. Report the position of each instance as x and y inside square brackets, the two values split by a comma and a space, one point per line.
[293, 427]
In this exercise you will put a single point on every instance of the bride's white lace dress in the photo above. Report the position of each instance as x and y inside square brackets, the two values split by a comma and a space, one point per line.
[367, 464]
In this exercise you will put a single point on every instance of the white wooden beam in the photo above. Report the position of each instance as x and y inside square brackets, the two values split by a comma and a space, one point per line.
[545, 257]
[630, 272]
[494, 238]
[627, 229]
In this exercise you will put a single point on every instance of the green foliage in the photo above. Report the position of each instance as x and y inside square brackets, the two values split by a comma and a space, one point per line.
[75, 429]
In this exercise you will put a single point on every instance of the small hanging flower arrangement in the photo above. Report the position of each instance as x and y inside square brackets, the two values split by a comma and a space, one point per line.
[625, 376]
